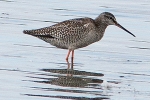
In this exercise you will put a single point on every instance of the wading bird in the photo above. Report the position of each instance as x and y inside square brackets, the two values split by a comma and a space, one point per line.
[76, 33]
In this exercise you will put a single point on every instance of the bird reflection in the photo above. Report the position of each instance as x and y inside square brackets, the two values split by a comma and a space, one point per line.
[69, 78]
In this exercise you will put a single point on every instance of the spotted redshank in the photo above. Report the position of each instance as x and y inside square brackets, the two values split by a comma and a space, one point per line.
[76, 33]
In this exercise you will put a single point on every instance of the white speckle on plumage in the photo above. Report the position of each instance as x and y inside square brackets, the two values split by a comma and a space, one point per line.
[86, 25]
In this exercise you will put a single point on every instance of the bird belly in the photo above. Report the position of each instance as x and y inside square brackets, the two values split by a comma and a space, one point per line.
[59, 43]
[71, 43]
[85, 42]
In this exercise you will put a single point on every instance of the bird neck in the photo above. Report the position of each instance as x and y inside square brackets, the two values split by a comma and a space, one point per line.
[101, 25]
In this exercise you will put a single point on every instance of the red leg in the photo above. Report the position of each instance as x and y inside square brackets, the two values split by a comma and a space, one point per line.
[72, 58]
[68, 55]
[72, 53]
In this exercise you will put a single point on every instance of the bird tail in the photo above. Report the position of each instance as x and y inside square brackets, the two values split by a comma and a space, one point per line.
[34, 33]
[30, 32]
[27, 32]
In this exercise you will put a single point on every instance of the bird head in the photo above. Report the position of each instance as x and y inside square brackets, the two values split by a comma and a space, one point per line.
[110, 19]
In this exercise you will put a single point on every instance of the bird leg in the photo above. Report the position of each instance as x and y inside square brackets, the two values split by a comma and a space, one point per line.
[68, 55]
[72, 57]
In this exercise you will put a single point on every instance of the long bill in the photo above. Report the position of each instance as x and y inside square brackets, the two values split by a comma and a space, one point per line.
[117, 24]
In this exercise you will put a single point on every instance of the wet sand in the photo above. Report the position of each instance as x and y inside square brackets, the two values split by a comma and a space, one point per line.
[115, 68]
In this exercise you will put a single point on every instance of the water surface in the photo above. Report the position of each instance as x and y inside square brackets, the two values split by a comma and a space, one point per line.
[115, 68]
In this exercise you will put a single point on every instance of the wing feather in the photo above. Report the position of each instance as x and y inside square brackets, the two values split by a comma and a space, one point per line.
[70, 30]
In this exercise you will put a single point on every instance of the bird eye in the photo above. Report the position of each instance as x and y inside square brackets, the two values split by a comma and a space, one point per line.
[110, 18]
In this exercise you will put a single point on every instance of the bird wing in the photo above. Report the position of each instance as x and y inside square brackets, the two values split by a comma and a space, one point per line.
[70, 30]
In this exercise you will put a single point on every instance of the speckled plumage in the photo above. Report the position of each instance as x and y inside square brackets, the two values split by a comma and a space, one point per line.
[70, 34]
[76, 33]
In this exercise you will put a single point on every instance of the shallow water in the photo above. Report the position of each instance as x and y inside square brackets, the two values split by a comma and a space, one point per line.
[115, 68]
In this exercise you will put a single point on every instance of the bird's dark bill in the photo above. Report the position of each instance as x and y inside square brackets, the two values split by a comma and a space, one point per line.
[117, 24]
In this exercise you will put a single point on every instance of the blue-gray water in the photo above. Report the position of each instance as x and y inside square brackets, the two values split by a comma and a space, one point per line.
[115, 68]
